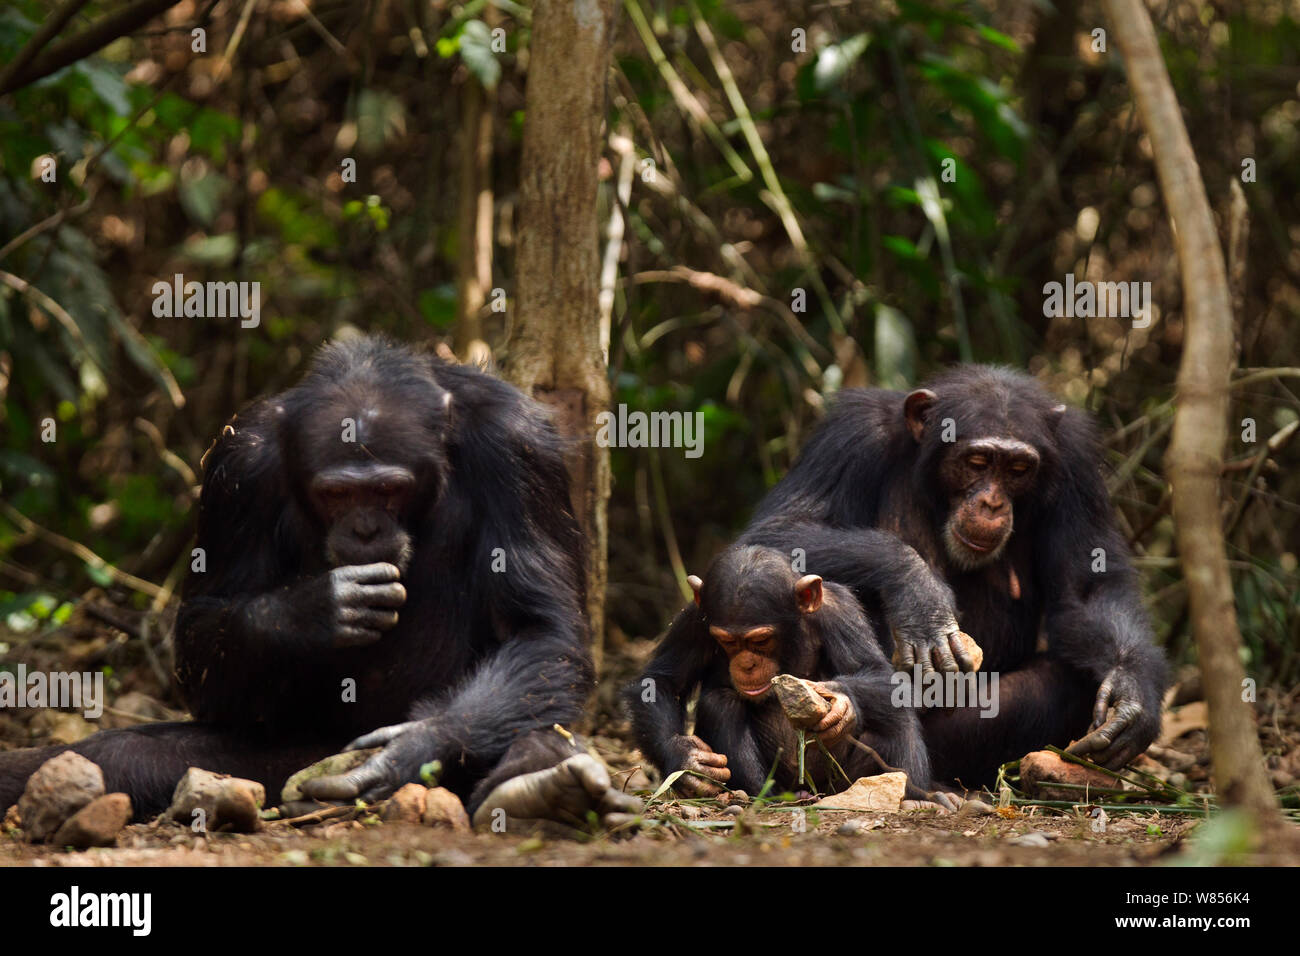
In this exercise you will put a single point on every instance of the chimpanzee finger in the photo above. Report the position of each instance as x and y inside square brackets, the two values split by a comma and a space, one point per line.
[375, 619]
[1102, 703]
[380, 737]
[1096, 742]
[707, 758]
[379, 573]
[381, 595]
[949, 801]
[359, 782]
[351, 636]
[927, 665]
[943, 659]
[961, 650]
[838, 712]
[696, 786]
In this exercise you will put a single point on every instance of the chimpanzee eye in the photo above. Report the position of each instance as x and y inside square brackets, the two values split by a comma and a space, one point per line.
[1020, 467]
[978, 462]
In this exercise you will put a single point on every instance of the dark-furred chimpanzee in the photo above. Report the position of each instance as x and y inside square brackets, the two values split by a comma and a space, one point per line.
[754, 617]
[389, 541]
[999, 489]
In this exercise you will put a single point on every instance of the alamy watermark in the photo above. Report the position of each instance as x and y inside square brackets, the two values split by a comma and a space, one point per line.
[1098, 300]
[638, 429]
[66, 690]
[946, 689]
[208, 300]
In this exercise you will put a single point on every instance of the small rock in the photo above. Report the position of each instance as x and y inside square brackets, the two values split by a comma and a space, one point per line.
[975, 808]
[406, 805]
[335, 763]
[97, 823]
[733, 810]
[60, 727]
[62, 786]
[1033, 838]
[881, 792]
[132, 709]
[12, 821]
[442, 808]
[802, 704]
[228, 803]
[1041, 769]
[731, 797]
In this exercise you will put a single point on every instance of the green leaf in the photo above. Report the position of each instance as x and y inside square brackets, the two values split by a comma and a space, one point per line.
[895, 348]
[100, 574]
[833, 61]
[668, 782]
[476, 51]
[381, 118]
[998, 38]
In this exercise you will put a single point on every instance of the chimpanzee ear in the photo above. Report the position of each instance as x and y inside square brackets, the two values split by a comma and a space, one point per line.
[915, 407]
[1055, 415]
[808, 593]
[695, 584]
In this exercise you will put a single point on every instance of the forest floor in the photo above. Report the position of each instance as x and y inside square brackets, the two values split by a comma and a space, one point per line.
[701, 833]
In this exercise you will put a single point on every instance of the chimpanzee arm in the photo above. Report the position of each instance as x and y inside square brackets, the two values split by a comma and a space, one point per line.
[919, 606]
[861, 673]
[1094, 618]
[657, 700]
[522, 590]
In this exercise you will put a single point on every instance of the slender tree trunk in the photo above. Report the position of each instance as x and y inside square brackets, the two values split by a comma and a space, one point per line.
[554, 349]
[474, 221]
[1195, 457]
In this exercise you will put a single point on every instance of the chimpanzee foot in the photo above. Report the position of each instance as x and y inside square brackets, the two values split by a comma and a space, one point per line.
[566, 793]
[940, 800]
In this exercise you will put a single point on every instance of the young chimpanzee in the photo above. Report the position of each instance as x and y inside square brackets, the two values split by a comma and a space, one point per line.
[999, 489]
[390, 540]
[753, 618]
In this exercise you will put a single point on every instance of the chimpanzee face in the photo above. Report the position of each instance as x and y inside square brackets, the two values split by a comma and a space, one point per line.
[982, 479]
[367, 462]
[989, 462]
[364, 507]
[756, 642]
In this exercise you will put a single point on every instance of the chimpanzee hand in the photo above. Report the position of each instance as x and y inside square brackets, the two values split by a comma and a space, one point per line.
[363, 600]
[941, 649]
[696, 757]
[1113, 743]
[407, 747]
[839, 720]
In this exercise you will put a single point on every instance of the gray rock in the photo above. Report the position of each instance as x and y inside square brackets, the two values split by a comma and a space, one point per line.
[62, 786]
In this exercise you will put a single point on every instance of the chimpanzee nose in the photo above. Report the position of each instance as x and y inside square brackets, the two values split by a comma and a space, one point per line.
[365, 530]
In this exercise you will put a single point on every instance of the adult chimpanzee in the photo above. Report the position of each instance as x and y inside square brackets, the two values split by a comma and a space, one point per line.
[391, 540]
[999, 489]
[753, 618]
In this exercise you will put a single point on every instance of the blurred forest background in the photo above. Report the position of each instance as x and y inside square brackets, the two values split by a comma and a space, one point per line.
[774, 167]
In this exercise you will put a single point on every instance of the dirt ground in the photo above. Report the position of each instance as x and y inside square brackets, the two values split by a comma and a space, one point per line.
[705, 833]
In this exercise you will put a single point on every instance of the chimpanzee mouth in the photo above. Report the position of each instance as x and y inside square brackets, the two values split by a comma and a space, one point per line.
[981, 548]
[756, 691]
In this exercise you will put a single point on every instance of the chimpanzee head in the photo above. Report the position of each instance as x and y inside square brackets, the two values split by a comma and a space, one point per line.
[365, 446]
[753, 603]
[987, 447]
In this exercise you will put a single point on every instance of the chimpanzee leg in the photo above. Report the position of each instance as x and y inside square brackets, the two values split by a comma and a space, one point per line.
[1044, 702]
[545, 775]
[726, 723]
[146, 762]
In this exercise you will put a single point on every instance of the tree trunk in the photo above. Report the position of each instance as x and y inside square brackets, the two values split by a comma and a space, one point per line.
[474, 221]
[554, 348]
[1195, 457]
